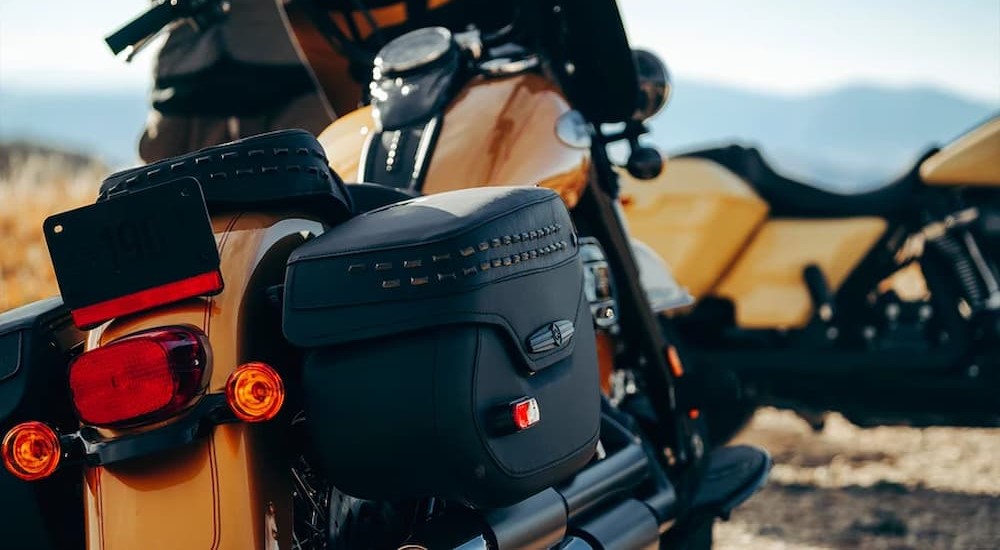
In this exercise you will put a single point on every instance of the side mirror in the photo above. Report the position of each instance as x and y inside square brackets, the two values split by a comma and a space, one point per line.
[654, 85]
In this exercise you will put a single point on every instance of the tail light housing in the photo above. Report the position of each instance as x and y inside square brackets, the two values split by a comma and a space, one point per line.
[140, 378]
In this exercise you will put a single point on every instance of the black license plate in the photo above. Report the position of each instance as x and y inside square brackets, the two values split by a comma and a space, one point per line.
[130, 244]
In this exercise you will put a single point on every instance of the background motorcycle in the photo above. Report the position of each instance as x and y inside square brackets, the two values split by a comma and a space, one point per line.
[223, 478]
[881, 305]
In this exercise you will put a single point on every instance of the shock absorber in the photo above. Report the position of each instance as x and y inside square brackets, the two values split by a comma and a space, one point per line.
[952, 249]
[957, 245]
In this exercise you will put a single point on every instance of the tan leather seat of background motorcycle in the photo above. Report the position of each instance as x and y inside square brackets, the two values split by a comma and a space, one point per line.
[973, 159]
[697, 216]
[766, 284]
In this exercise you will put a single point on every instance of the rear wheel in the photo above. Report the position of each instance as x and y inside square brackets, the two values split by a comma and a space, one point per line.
[695, 537]
[356, 523]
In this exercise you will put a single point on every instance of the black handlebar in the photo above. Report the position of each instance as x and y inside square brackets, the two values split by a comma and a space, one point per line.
[142, 27]
[140, 30]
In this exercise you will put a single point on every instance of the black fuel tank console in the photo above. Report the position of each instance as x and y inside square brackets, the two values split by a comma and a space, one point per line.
[414, 78]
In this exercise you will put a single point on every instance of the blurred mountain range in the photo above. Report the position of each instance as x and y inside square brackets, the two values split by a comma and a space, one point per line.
[848, 138]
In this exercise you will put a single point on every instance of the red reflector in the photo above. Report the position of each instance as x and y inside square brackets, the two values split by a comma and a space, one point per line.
[143, 377]
[525, 413]
[90, 316]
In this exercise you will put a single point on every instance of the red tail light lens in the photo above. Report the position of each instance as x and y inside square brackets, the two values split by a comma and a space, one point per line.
[143, 377]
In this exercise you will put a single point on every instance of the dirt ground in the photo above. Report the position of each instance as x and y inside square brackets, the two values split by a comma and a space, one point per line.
[884, 488]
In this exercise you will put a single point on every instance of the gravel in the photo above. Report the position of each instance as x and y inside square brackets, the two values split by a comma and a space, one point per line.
[882, 488]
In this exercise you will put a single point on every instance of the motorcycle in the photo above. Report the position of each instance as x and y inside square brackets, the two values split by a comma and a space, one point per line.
[881, 305]
[258, 355]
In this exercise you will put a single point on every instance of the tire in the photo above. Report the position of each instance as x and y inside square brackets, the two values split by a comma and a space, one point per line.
[717, 392]
[725, 420]
[356, 523]
[694, 538]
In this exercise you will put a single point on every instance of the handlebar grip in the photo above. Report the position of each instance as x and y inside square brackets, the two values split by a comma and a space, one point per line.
[148, 24]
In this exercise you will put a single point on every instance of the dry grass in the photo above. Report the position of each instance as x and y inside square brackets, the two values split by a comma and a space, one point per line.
[33, 185]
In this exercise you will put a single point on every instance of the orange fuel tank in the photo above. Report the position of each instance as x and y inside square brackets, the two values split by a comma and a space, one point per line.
[498, 131]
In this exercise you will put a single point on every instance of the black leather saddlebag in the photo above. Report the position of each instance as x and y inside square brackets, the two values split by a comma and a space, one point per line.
[432, 324]
[35, 346]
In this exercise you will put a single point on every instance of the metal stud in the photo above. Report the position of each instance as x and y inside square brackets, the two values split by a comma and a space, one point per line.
[467, 251]
[410, 264]
[230, 155]
[436, 258]
[383, 266]
[495, 243]
[417, 281]
[507, 261]
[447, 277]
[485, 266]
[497, 262]
[468, 271]
[484, 247]
[356, 269]
[507, 240]
[390, 283]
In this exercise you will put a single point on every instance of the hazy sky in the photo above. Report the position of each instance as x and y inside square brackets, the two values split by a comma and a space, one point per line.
[790, 46]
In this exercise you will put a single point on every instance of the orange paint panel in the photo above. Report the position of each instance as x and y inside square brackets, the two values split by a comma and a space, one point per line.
[160, 502]
[228, 490]
[605, 360]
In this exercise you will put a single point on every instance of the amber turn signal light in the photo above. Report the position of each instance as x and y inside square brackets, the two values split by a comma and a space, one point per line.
[31, 451]
[255, 392]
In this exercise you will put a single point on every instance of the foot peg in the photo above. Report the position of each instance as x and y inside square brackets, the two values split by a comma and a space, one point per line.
[731, 476]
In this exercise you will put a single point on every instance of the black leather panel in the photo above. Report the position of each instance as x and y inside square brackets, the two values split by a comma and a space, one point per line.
[400, 158]
[792, 198]
[280, 169]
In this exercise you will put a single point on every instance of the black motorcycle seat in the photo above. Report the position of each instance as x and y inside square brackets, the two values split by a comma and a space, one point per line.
[369, 196]
[283, 169]
[791, 198]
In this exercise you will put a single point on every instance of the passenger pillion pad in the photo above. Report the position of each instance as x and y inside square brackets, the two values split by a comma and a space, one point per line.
[790, 198]
[283, 169]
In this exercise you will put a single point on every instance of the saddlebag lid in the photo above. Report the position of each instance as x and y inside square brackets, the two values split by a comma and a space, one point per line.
[456, 257]
[283, 169]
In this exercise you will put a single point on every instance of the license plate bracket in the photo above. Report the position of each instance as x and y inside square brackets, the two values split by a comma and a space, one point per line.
[120, 250]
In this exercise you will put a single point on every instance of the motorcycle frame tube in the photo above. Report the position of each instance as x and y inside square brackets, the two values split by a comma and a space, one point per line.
[641, 330]
[231, 489]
